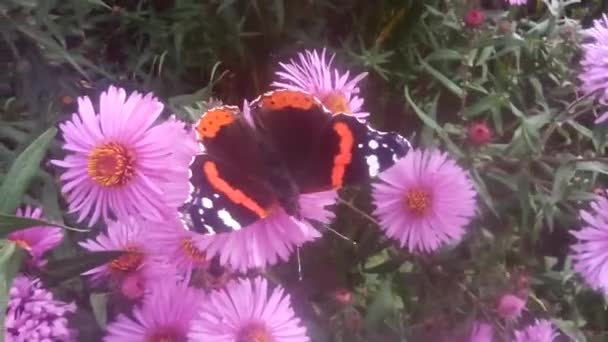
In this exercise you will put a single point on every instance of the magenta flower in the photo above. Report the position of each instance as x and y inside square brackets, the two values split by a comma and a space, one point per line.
[34, 315]
[425, 200]
[540, 331]
[119, 162]
[272, 238]
[510, 306]
[247, 310]
[36, 240]
[517, 2]
[314, 74]
[590, 253]
[178, 245]
[133, 271]
[165, 315]
[481, 332]
[594, 75]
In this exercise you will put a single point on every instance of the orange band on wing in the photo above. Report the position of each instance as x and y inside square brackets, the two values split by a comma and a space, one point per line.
[280, 99]
[213, 120]
[235, 195]
[344, 156]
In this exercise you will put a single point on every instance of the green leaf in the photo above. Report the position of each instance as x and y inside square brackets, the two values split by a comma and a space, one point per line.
[443, 54]
[484, 104]
[100, 3]
[59, 270]
[10, 262]
[382, 304]
[451, 85]
[570, 330]
[12, 223]
[431, 123]
[560, 183]
[99, 303]
[22, 171]
[483, 192]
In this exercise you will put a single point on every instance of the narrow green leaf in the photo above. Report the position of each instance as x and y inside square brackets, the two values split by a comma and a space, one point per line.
[59, 270]
[444, 55]
[10, 262]
[22, 171]
[99, 303]
[383, 303]
[483, 192]
[12, 223]
[441, 78]
[431, 123]
[100, 3]
[570, 330]
[484, 104]
[560, 183]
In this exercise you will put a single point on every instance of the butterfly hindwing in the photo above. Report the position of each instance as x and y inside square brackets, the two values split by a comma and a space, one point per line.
[366, 151]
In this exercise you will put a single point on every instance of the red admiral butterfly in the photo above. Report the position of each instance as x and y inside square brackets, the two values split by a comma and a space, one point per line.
[288, 145]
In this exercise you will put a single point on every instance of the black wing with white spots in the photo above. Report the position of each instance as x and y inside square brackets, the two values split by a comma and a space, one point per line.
[373, 151]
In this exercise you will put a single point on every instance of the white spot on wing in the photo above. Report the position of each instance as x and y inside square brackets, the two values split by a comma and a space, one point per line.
[200, 211]
[360, 146]
[373, 144]
[207, 203]
[225, 216]
[210, 229]
[372, 165]
[216, 195]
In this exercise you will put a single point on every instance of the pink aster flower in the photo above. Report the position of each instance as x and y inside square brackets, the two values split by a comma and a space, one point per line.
[36, 240]
[481, 332]
[594, 75]
[273, 238]
[133, 271]
[590, 253]
[510, 306]
[119, 162]
[248, 310]
[165, 315]
[315, 74]
[540, 331]
[425, 200]
[34, 315]
[178, 245]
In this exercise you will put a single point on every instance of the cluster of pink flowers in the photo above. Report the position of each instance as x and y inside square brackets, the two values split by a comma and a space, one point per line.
[124, 168]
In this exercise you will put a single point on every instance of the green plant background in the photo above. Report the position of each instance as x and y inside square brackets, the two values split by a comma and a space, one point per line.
[430, 77]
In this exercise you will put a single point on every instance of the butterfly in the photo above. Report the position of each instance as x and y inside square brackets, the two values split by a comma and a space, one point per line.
[284, 145]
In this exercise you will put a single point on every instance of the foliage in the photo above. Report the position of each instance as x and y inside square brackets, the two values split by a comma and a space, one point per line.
[430, 79]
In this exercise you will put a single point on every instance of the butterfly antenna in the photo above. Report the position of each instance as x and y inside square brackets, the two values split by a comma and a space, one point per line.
[340, 235]
[299, 264]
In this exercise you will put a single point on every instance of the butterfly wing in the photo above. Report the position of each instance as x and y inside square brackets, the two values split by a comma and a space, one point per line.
[323, 151]
[228, 188]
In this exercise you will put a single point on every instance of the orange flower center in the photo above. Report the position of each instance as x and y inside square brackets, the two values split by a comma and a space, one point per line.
[23, 244]
[128, 262]
[166, 335]
[336, 103]
[111, 164]
[418, 201]
[254, 333]
[193, 252]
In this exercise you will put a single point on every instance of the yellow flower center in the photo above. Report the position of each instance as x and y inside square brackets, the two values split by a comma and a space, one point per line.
[128, 262]
[189, 247]
[111, 164]
[336, 102]
[254, 333]
[418, 201]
